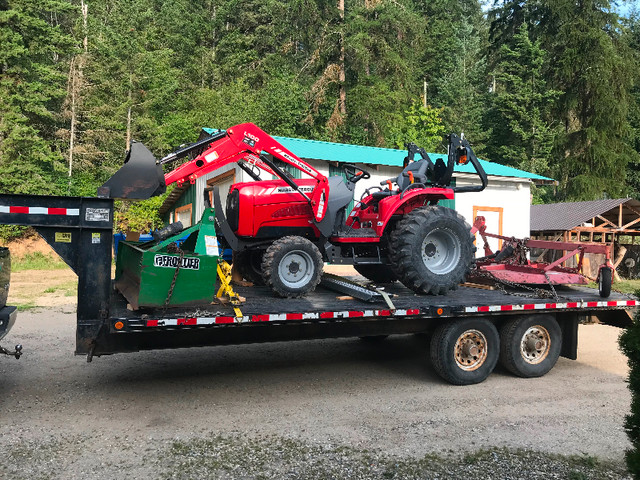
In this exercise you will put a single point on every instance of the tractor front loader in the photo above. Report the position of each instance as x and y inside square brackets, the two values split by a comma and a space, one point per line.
[283, 230]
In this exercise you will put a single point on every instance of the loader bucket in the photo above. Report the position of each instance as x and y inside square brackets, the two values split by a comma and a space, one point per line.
[140, 177]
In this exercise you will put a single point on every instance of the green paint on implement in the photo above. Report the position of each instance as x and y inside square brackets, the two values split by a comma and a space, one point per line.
[145, 271]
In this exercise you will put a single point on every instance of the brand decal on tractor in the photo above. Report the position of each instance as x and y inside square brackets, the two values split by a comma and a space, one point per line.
[170, 261]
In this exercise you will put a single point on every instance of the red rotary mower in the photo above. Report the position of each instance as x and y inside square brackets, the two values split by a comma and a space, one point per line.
[283, 230]
[511, 266]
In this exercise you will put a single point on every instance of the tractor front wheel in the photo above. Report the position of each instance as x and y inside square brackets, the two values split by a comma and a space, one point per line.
[431, 250]
[292, 266]
[249, 264]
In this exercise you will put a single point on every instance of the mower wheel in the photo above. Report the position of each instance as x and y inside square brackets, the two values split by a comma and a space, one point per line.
[249, 264]
[432, 250]
[604, 282]
[377, 273]
[292, 266]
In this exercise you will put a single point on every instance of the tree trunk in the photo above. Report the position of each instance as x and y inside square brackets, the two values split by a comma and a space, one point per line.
[342, 77]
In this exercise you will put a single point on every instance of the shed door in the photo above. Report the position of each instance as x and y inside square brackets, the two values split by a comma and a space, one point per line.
[493, 220]
[223, 182]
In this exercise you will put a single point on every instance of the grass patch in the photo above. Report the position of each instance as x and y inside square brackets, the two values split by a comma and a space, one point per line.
[22, 307]
[276, 457]
[36, 261]
[69, 289]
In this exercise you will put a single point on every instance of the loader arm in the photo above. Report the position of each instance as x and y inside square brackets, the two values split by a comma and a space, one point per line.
[248, 142]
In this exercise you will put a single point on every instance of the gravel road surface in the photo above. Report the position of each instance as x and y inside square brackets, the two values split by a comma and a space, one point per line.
[114, 418]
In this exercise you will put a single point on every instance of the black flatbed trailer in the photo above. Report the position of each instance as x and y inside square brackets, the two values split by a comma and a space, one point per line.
[471, 327]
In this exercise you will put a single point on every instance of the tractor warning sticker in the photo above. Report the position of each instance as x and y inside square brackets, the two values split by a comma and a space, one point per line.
[172, 262]
[97, 215]
[62, 237]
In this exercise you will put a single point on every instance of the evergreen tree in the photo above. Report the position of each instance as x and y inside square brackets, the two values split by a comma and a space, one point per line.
[35, 47]
[522, 130]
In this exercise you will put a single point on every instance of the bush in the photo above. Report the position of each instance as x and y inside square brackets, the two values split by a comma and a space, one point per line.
[630, 345]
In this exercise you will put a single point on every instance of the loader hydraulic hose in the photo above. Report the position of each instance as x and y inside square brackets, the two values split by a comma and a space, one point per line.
[186, 150]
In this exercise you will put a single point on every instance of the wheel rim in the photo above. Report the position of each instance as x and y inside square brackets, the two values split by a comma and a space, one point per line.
[441, 250]
[296, 269]
[471, 350]
[535, 344]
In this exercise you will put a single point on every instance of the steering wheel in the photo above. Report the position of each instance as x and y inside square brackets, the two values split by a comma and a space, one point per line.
[354, 178]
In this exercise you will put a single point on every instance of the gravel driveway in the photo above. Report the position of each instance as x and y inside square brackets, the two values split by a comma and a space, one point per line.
[135, 415]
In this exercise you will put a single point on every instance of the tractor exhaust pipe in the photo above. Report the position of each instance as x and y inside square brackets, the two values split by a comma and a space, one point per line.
[140, 177]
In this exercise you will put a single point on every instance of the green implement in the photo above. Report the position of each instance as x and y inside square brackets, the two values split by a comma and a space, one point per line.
[158, 273]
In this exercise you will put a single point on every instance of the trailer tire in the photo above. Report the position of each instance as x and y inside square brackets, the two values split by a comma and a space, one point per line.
[432, 250]
[249, 264]
[377, 272]
[530, 345]
[604, 282]
[292, 266]
[466, 351]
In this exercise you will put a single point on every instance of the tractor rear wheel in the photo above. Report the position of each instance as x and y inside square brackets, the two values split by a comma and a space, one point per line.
[377, 272]
[249, 264]
[431, 250]
[292, 266]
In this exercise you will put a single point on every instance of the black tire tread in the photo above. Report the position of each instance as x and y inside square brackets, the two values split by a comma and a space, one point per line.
[513, 362]
[442, 358]
[269, 259]
[604, 284]
[243, 260]
[402, 246]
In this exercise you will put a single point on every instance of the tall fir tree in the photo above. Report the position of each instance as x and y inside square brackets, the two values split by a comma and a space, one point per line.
[522, 128]
[36, 47]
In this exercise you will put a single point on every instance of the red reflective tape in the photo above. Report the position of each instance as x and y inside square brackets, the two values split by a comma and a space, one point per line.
[384, 313]
[612, 304]
[506, 308]
[260, 318]
[592, 304]
[551, 305]
[631, 303]
[572, 305]
[294, 316]
[18, 209]
[415, 311]
[529, 306]
[356, 314]
[225, 319]
[483, 309]
[152, 323]
[326, 315]
[57, 211]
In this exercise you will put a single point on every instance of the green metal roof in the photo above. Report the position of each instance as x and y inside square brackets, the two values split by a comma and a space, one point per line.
[343, 152]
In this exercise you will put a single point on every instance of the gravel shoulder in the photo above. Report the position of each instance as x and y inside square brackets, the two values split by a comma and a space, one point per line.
[335, 404]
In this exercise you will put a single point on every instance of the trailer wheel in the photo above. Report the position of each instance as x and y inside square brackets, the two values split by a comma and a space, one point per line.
[604, 282]
[292, 266]
[249, 264]
[432, 250]
[530, 345]
[466, 351]
[377, 273]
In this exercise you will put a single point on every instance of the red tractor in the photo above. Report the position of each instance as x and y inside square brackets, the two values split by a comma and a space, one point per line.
[283, 230]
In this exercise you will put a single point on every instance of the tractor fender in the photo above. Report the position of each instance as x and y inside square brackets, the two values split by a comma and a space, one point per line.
[404, 203]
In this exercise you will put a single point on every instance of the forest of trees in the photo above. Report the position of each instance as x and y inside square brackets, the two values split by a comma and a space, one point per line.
[548, 86]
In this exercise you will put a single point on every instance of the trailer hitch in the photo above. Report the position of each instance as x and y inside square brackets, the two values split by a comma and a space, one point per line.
[17, 352]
